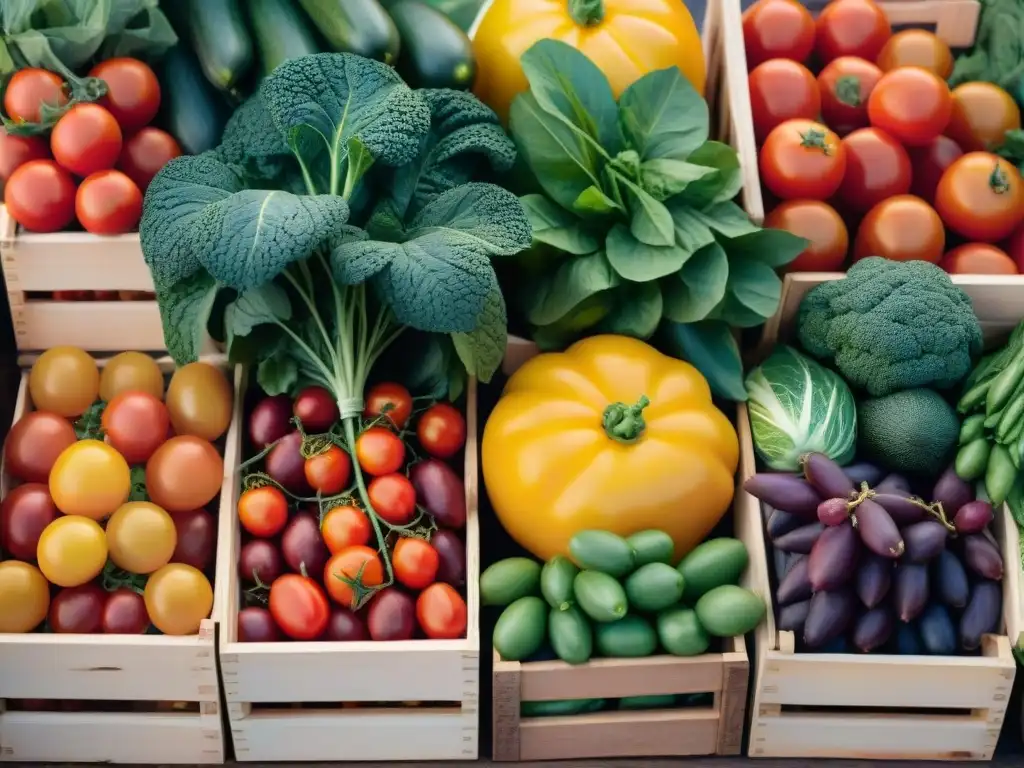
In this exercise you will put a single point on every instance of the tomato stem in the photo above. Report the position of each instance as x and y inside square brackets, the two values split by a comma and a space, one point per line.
[999, 181]
[848, 90]
[587, 13]
[815, 138]
[625, 423]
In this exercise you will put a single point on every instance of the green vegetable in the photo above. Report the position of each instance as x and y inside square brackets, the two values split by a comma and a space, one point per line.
[556, 578]
[654, 586]
[280, 31]
[630, 638]
[892, 325]
[651, 547]
[602, 551]
[729, 610]
[972, 428]
[1000, 474]
[997, 55]
[570, 634]
[435, 52]
[647, 702]
[600, 596]
[1010, 419]
[797, 406]
[361, 27]
[712, 564]
[910, 431]
[340, 212]
[560, 707]
[462, 12]
[972, 459]
[221, 41]
[681, 634]
[191, 109]
[521, 628]
[508, 580]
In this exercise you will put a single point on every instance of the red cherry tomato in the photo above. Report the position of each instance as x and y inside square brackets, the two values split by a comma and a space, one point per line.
[316, 410]
[777, 29]
[393, 498]
[328, 473]
[27, 91]
[34, 443]
[40, 195]
[86, 139]
[299, 606]
[145, 153]
[124, 613]
[441, 430]
[24, 515]
[822, 225]
[135, 424]
[108, 203]
[851, 28]
[912, 105]
[929, 163]
[15, 151]
[877, 167]
[902, 228]
[781, 90]
[978, 259]
[380, 451]
[415, 563]
[391, 399]
[845, 85]
[263, 511]
[441, 612]
[133, 91]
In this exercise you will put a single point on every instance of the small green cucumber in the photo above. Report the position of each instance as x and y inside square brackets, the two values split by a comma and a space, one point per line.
[600, 596]
[648, 702]
[521, 629]
[972, 459]
[680, 633]
[630, 638]
[972, 428]
[602, 551]
[652, 547]
[654, 586]
[560, 707]
[712, 564]
[507, 580]
[729, 610]
[570, 635]
[556, 579]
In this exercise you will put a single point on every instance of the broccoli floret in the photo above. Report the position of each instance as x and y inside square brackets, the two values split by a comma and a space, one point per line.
[892, 325]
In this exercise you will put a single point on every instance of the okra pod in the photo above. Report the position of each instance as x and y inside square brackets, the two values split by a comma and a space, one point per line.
[1012, 414]
[1000, 474]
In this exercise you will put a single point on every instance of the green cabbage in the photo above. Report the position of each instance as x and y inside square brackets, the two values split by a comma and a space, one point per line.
[798, 406]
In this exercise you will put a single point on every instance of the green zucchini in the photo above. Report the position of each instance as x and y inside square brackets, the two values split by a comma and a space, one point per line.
[221, 41]
[192, 110]
[280, 32]
[435, 52]
[361, 27]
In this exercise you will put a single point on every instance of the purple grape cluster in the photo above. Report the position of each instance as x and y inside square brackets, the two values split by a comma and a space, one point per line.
[870, 564]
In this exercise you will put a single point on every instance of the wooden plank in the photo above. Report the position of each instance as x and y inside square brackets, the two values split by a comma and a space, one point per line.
[505, 712]
[733, 699]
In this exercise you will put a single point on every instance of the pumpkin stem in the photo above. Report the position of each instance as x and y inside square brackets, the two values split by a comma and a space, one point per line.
[587, 13]
[625, 423]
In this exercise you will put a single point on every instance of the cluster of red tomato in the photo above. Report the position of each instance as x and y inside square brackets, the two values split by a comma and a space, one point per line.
[314, 556]
[109, 145]
[108, 530]
[878, 144]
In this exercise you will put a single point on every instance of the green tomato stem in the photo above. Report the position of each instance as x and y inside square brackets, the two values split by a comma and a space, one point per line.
[625, 423]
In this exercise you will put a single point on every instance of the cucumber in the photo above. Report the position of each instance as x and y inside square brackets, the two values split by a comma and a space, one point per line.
[600, 596]
[570, 635]
[654, 586]
[560, 707]
[712, 564]
[361, 27]
[191, 109]
[221, 41]
[507, 580]
[652, 547]
[630, 638]
[648, 702]
[556, 579]
[602, 551]
[280, 32]
[729, 610]
[680, 633]
[520, 630]
[435, 52]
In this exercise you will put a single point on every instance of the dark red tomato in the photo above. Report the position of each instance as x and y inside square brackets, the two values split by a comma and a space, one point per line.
[441, 612]
[902, 228]
[451, 551]
[197, 538]
[845, 85]
[929, 163]
[145, 153]
[256, 625]
[77, 610]
[393, 498]
[781, 90]
[302, 545]
[260, 561]
[40, 195]
[380, 451]
[299, 607]
[28, 90]
[316, 410]
[415, 562]
[821, 225]
[263, 511]
[108, 203]
[981, 197]
[15, 151]
[124, 613]
[912, 105]
[344, 626]
[802, 159]
[777, 29]
[877, 167]
[270, 420]
[133, 92]
[86, 139]
[442, 430]
[135, 424]
[851, 28]
[286, 465]
[25, 512]
[391, 399]
[34, 443]
[1015, 247]
[978, 259]
[391, 616]
[328, 473]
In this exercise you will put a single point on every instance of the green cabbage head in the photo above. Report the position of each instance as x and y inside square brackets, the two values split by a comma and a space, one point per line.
[797, 406]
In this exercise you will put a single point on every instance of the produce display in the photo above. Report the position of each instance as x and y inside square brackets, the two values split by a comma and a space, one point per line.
[872, 152]
[109, 524]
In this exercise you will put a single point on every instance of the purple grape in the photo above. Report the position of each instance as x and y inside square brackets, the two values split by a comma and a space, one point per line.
[982, 557]
[825, 476]
[874, 577]
[877, 530]
[873, 629]
[982, 613]
[783, 491]
[793, 616]
[833, 512]
[893, 483]
[910, 590]
[829, 616]
[938, 635]
[924, 541]
[833, 559]
[800, 540]
[901, 508]
[952, 492]
[795, 585]
[949, 580]
[863, 472]
[973, 517]
[780, 523]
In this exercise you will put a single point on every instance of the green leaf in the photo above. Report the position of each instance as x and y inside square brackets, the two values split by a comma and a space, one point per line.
[638, 261]
[462, 12]
[268, 303]
[772, 247]
[89, 426]
[138, 490]
[651, 223]
[637, 312]
[575, 280]
[185, 309]
[700, 285]
[277, 375]
[592, 200]
[252, 142]
[755, 286]
[557, 227]
[662, 115]
[728, 219]
[665, 177]
[712, 349]
[580, 319]
[717, 187]
[483, 349]
[692, 233]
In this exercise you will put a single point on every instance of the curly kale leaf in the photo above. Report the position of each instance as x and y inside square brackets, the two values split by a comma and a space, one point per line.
[252, 142]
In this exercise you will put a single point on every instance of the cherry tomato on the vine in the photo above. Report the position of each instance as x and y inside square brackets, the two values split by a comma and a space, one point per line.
[441, 612]
[24, 515]
[263, 511]
[145, 153]
[299, 606]
[344, 527]
[781, 90]
[27, 91]
[877, 167]
[393, 498]
[851, 28]
[135, 423]
[777, 29]
[357, 564]
[982, 114]
[902, 228]
[316, 409]
[34, 443]
[978, 259]
[108, 203]
[328, 473]
[442, 430]
[415, 563]
[40, 195]
[917, 48]
[845, 85]
[380, 451]
[981, 197]
[929, 163]
[15, 151]
[133, 91]
[911, 104]
[86, 139]
[822, 225]
[390, 399]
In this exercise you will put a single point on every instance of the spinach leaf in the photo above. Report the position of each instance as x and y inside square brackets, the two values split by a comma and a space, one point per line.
[664, 177]
[723, 184]
[651, 223]
[712, 349]
[638, 261]
[756, 286]
[772, 247]
[573, 282]
[637, 311]
[252, 143]
[663, 116]
[593, 201]
[557, 227]
[699, 286]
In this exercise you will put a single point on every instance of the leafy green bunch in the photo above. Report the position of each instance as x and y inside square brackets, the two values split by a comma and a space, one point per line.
[635, 223]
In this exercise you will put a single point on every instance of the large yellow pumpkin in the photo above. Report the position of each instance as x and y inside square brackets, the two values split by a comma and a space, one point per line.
[613, 435]
[626, 39]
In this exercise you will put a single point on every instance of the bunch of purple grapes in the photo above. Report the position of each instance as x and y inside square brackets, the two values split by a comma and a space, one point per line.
[871, 563]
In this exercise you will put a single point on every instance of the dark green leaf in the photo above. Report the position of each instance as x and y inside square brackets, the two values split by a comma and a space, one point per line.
[771, 247]
[662, 115]
[580, 319]
[692, 233]
[728, 219]
[650, 221]
[637, 312]
[593, 201]
[277, 375]
[638, 261]
[185, 310]
[558, 228]
[698, 288]
[138, 485]
[252, 142]
[712, 349]
[755, 286]
[575, 280]
[89, 426]
[665, 177]
[482, 350]
[717, 187]
[258, 306]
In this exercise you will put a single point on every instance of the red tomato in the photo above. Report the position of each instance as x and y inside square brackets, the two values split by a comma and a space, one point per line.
[978, 259]
[929, 163]
[15, 151]
[982, 114]
[781, 90]
[391, 399]
[441, 430]
[40, 195]
[352, 564]
[851, 28]
[135, 424]
[1015, 247]
[24, 515]
[133, 92]
[328, 473]
[86, 139]
[877, 167]
[802, 159]
[777, 29]
[415, 563]
[263, 511]
[30, 88]
[34, 443]
[845, 85]
[299, 606]
[145, 153]
[911, 104]
[108, 203]
[902, 228]
[819, 223]
[393, 498]
[981, 197]
[316, 410]
[380, 451]
[917, 48]
[441, 612]
[344, 527]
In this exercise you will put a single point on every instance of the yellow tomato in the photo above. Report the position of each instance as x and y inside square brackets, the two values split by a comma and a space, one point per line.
[91, 479]
[610, 434]
[131, 372]
[24, 597]
[178, 597]
[626, 39]
[141, 537]
[199, 400]
[65, 381]
[72, 550]
[982, 114]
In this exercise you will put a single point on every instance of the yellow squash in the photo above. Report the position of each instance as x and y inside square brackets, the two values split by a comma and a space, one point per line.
[626, 39]
[610, 434]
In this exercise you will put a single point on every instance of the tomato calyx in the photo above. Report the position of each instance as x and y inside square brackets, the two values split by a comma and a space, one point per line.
[138, 490]
[89, 426]
[114, 578]
[587, 13]
[998, 180]
[815, 138]
[80, 90]
[625, 423]
[848, 90]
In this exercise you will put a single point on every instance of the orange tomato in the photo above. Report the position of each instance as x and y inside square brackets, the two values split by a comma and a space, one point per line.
[902, 228]
[415, 563]
[441, 612]
[981, 197]
[352, 563]
[982, 114]
[911, 104]
[978, 259]
[917, 48]
[819, 223]
[344, 527]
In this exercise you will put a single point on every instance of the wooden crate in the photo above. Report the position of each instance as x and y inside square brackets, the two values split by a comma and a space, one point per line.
[876, 706]
[158, 696]
[293, 700]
